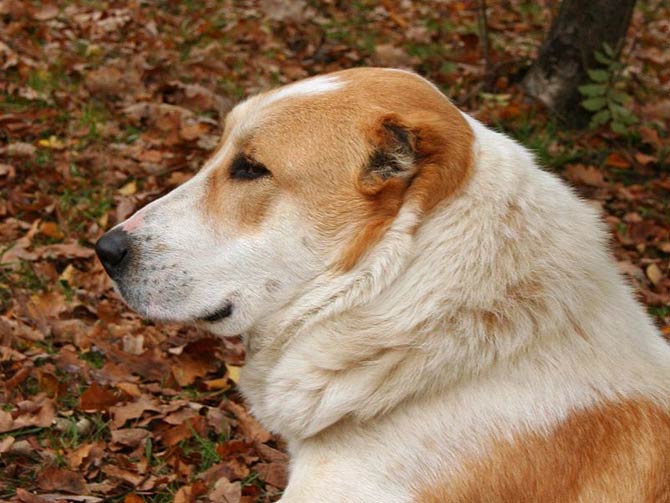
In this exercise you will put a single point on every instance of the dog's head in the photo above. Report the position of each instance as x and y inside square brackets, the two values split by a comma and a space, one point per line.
[305, 182]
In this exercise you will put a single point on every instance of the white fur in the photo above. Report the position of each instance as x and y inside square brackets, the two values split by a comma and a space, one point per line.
[386, 376]
[404, 367]
[308, 87]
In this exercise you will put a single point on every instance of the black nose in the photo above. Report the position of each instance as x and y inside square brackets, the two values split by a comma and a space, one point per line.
[112, 249]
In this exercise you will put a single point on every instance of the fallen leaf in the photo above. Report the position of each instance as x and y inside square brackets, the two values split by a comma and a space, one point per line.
[233, 373]
[64, 250]
[275, 474]
[588, 175]
[185, 430]
[6, 443]
[52, 142]
[650, 136]
[195, 361]
[225, 491]
[617, 160]
[28, 497]
[132, 410]
[249, 425]
[133, 344]
[7, 170]
[46, 12]
[645, 159]
[189, 494]
[132, 478]
[76, 457]
[128, 189]
[98, 398]
[392, 56]
[654, 274]
[59, 479]
[130, 437]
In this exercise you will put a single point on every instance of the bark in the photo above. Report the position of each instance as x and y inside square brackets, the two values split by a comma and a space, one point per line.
[580, 28]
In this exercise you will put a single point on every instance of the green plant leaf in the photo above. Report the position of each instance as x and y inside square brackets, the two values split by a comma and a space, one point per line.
[618, 128]
[593, 104]
[600, 118]
[598, 75]
[621, 114]
[593, 90]
[619, 96]
[601, 58]
[608, 50]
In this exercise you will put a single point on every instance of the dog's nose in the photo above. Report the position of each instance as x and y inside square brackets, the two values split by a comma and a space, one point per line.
[112, 249]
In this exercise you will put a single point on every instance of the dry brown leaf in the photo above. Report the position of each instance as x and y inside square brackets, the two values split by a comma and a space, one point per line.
[129, 389]
[185, 430]
[180, 415]
[128, 189]
[617, 160]
[7, 170]
[130, 437]
[654, 274]
[217, 384]
[645, 159]
[195, 361]
[231, 469]
[105, 80]
[249, 425]
[225, 491]
[588, 175]
[6, 443]
[133, 344]
[275, 474]
[132, 478]
[37, 412]
[98, 398]
[189, 494]
[650, 136]
[270, 454]
[233, 373]
[133, 410]
[47, 305]
[51, 229]
[28, 497]
[76, 457]
[64, 250]
[393, 56]
[193, 130]
[58, 479]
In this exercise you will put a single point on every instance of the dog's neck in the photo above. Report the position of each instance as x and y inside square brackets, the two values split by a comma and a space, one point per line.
[428, 312]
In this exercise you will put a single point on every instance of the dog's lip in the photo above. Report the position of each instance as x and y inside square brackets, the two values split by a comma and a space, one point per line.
[223, 312]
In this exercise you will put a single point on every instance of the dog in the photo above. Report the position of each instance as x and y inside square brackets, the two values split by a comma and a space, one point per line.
[428, 316]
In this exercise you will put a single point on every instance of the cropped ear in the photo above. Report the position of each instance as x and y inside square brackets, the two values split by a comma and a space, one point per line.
[393, 157]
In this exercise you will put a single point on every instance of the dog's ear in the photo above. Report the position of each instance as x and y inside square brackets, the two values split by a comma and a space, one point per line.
[393, 157]
[423, 156]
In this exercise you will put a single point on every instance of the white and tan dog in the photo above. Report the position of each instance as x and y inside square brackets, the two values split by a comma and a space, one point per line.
[428, 316]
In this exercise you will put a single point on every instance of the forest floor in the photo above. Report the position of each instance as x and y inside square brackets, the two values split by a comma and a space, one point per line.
[106, 105]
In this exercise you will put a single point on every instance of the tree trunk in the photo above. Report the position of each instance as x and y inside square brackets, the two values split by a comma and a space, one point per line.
[580, 29]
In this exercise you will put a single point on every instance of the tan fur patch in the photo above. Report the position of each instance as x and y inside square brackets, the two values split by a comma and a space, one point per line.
[317, 146]
[242, 203]
[617, 452]
[443, 143]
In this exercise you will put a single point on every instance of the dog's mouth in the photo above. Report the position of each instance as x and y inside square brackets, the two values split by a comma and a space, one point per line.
[220, 314]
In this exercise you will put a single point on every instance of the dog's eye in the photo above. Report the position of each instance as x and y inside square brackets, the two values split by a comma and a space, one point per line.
[244, 168]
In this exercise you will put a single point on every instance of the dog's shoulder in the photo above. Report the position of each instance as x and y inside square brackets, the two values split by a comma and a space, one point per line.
[618, 451]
